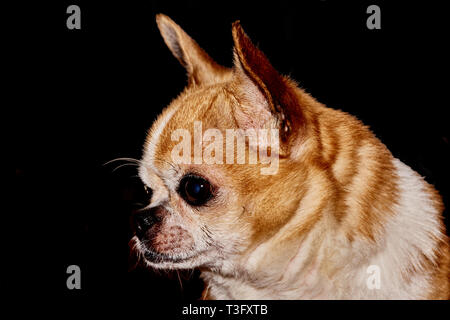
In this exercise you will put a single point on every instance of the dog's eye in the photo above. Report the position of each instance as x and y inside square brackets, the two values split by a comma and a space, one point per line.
[148, 191]
[195, 190]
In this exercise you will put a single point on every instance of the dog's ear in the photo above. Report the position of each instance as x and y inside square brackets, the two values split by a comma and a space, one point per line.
[200, 67]
[267, 98]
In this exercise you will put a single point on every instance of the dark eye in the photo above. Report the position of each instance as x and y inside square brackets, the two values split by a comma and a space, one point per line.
[195, 190]
[148, 192]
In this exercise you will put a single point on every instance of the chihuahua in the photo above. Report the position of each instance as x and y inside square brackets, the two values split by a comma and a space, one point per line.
[309, 205]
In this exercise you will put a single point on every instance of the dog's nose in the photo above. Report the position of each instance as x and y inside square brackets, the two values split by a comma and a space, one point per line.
[143, 220]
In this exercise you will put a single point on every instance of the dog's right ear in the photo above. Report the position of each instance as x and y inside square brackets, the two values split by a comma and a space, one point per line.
[200, 67]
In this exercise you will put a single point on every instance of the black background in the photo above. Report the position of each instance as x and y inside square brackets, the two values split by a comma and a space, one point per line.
[84, 97]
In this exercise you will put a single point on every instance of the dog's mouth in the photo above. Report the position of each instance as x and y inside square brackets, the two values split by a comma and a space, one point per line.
[160, 258]
[157, 257]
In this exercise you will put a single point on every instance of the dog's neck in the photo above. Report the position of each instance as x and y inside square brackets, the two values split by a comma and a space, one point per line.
[326, 264]
[254, 279]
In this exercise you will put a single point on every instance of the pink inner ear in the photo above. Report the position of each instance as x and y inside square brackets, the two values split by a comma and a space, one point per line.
[247, 119]
[253, 111]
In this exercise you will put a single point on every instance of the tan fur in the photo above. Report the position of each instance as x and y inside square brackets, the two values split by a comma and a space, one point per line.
[311, 230]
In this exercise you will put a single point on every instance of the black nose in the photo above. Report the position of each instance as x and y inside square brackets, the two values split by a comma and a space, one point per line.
[143, 220]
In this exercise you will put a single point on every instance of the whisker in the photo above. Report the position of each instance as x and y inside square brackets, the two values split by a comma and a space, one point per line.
[179, 280]
[124, 165]
[166, 162]
[137, 162]
[133, 160]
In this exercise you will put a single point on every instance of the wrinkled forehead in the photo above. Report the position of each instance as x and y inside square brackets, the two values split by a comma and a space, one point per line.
[211, 107]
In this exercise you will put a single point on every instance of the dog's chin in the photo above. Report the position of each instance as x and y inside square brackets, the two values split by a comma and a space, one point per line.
[164, 260]
[159, 260]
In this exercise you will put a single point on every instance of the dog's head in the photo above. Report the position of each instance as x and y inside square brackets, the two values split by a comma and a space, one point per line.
[217, 160]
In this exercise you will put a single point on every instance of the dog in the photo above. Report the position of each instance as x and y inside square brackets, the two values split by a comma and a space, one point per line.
[338, 217]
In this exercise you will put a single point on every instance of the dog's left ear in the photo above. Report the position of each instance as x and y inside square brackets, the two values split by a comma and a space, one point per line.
[267, 98]
[200, 67]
